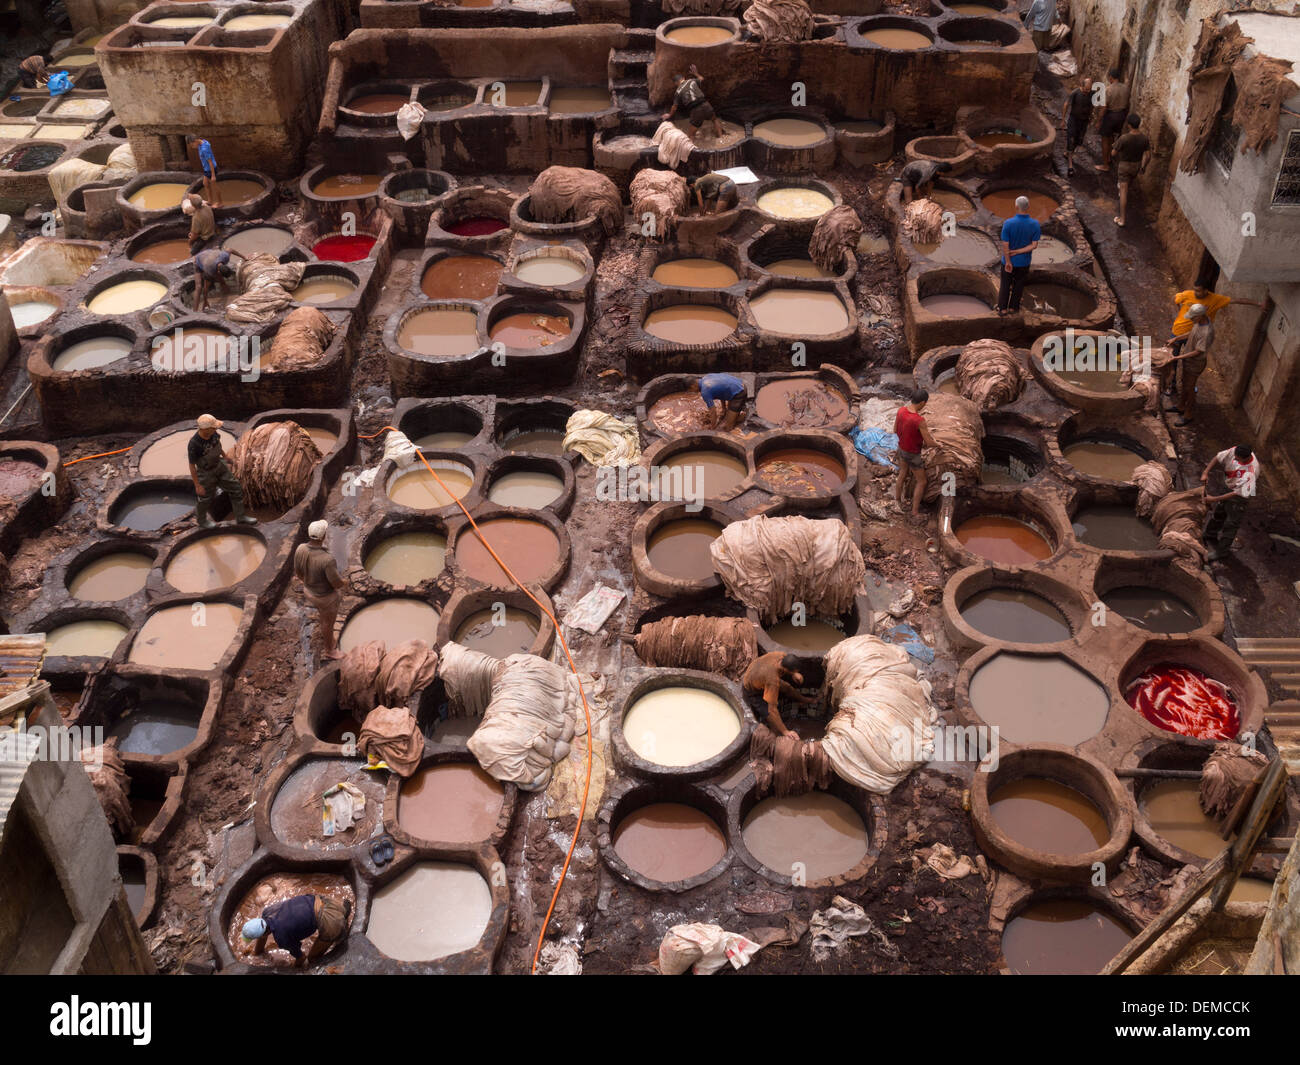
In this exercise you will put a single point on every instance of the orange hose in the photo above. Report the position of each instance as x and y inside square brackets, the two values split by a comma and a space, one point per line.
[101, 455]
[586, 710]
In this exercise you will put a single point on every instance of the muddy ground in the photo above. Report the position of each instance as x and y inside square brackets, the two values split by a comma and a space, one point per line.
[927, 924]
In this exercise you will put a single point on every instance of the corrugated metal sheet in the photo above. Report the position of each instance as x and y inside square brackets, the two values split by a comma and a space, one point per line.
[21, 658]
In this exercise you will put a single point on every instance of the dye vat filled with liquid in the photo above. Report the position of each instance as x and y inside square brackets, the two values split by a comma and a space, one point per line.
[1185, 700]
[680, 548]
[999, 538]
[1173, 808]
[31, 312]
[800, 311]
[713, 473]
[579, 100]
[694, 273]
[680, 725]
[800, 404]
[690, 323]
[163, 251]
[407, 558]
[678, 412]
[1100, 458]
[1038, 699]
[278, 888]
[1152, 609]
[89, 638]
[324, 288]
[213, 562]
[533, 489]
[158, 725]
[530, 330]
[1046, 816]
[477, 226]
[1062, 937]
[455, 802]
[259, 240]
[378, 103]
[111, 577]
[173, 637]
[966, 247]
[529, 548]
[1002, 203]
[669, 841]
[814, 635]
[798, 471]
[792, 201]
[955, 305]
[430, 911]
[499, 633]
[535, 442]
[419, 489]
[233, 191]
[789, 132]
[1015, 615]
[815, 834]
[160, 196]
[549, 270]
[391, 622]
[126, 297]
[167, 456]
[1114, 528]
[150, 510]
[339, 248]
[347, 186]
[698, 36]
[899, 40]
[461, 277]
[440, 332]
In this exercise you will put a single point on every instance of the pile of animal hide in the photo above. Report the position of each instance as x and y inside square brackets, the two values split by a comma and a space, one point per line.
[570, 194]
[923, 222]
[301, 340]
[274, 463]
[957, 428]
[660, 194]
[265, 287]
[836, 235]
[779, 20]
[989, 374]
[717, 645]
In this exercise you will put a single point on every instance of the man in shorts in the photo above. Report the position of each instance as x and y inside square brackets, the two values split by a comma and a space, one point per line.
[769, 677]
[689, 98]
[714, 193]
[1112, 115]
[913, 435]
[318, 573]
[1132, 152]
[1078, 117]
[728, 391]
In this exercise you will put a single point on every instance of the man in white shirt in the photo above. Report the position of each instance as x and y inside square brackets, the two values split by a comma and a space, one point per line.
[1240, 472]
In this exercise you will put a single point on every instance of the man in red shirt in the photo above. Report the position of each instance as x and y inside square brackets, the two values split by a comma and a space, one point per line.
[913, 434]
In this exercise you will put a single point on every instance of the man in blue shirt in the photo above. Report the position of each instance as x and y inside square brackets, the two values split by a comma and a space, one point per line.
[208, 164]
[1020, 237]
[1039, 20]
[729, 390]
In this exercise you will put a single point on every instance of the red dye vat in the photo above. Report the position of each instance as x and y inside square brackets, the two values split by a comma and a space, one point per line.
[339, 249]
[1186, 701]
[476, 227]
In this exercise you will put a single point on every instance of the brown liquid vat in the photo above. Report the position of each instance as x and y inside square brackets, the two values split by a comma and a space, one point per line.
[1198, 590]
[967, 583]
[630, 798]
[650, 524]
[1041, 511]
[513, 466]
[89, 575]
[726, 450]
[1103, 926]
[1101, 348]
[796, 448]
[868, 807]
[1142, 435]
[534, 543]
[422, 418]
[1084, 775]
[471, 794]
[467, 604]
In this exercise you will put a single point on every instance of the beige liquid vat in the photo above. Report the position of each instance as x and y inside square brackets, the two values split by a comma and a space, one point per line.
[187, 637]
[391, 622]
[88, 354]
[699, 36]
[92, 638]
[549, 270]
[213, 562]
[167, 457]
[680, 725]
[695, 273]
[790, 132]
[419, 489]
[408, 558]
[127, 296]
[258, 22]
[432, 910]
[160, 196]
[110, 577]
[794, 202]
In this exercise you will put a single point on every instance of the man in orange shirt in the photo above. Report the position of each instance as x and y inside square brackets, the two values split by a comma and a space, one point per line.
[1213, 303]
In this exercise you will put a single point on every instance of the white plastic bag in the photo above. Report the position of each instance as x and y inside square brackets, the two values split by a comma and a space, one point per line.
[704, 949]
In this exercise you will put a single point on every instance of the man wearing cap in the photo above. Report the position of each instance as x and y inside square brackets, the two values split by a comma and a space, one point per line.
[213, 266]
[729, 392]
[209, 471]
[203, 223]
[1020, 236]
[294, 920]
[316, 569]
[1241, 472]
[1193, 360]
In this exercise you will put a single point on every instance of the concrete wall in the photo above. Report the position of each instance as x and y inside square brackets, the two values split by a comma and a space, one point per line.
[261, 103]
[62, 906]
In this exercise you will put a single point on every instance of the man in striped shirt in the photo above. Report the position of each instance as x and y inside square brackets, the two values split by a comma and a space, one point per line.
[1240, 472]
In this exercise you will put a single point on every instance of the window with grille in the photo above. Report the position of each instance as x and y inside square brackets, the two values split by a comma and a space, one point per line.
[1286, 192]
[1226, 136]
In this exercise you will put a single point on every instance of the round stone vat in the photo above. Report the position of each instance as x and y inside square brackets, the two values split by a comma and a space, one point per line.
[212, 560]
[891, 33]
[431, 910]
[804, 401]
[1193, 686]
[703, 465]
[804, 465]
[163, 244]
[473, 217]
[194, 635]
[1084, 367]
[681, 724]
[533, 428]
[1021, 608]
[374, 103]
[1011, 458]
[392, 621]
[691, 318]
[559, 268]
[126, 292]
[820, 839]
[1046, 812]
[416, 489]
[446, 95]
[532, 482]
[794, 203]
[1106, 520]
[77, 633]
[447, 329]
[247, 901]
[691, 33]
[1062, 932]
[405, 555]
[664, 836]
[441, 424]
[259, 239]
[1158, 597]
[1169, 820]
[499, 622]
[152, 197]
[450, 274]
[802, 310]
[147, 506]
[241, 194]
[166, 456]
[780, 253]
[1015, 531]
[979, 32]
[449, 800]
[297, 817]
[410, 197]
[670, 548]
[527, 323]
[109, 571]
[998, 197]
[326, 283]
[1033, 698]
[534, 545]
[155, 720]
[956, 293]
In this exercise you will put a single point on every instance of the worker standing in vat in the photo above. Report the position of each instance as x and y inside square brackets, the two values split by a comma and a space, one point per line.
[203, 223]
[1241, 472]
[1020, 236]
[689, 98]
[1113, 115]
[1132, 153]
[207, 164]
[32, 72]
[318, 573]
[731, 396]
[917, 178]
[772, 676]
[1078, 117]
[913, 435]
[294, 920]
[1039, 20]
[214, 266]
[1193, 360]
[714, 193]
[209, 471]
